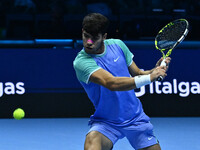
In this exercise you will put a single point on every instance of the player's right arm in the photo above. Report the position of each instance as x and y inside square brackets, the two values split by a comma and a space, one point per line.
[88, 71]
[106, 79]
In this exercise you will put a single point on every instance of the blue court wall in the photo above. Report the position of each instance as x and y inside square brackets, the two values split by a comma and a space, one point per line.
[42, 81]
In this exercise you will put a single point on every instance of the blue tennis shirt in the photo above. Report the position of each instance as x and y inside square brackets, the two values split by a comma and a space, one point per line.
[119, 108]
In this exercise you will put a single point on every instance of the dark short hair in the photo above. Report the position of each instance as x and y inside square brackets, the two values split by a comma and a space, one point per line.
[95, 23]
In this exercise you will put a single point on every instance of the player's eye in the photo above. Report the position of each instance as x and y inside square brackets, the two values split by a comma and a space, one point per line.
[95, 38]
[86, 35]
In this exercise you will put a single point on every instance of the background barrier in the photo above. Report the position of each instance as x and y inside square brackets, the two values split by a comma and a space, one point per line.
[38, 76]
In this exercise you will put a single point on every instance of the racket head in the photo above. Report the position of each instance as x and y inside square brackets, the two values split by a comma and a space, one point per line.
[171, 35]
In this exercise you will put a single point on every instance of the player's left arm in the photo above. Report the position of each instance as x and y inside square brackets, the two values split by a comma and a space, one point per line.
[135, 71]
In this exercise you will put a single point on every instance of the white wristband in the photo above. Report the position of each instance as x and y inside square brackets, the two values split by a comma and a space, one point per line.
[142, 80]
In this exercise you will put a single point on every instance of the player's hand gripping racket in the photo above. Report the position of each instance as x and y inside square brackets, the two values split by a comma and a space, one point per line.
[169, 37]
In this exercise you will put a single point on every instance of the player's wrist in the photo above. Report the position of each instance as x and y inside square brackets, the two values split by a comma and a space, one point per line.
[142, 80]
[153, 77]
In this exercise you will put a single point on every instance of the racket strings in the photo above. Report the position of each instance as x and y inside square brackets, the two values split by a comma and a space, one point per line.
[169, 36]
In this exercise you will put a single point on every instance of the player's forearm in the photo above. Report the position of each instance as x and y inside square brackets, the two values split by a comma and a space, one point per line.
[146, 72]
[126, 83]
[107, 80]
[141, 72]
[121, 84]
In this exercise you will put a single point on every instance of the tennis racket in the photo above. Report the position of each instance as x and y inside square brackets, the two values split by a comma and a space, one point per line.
[169, 37]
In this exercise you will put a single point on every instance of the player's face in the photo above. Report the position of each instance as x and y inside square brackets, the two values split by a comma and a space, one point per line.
[93, 44]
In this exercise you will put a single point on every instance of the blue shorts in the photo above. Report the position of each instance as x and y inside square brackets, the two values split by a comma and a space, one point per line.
[139, 135]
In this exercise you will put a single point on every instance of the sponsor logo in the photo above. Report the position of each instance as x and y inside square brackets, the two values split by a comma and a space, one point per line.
[150, 138]
[115, 60]
[10, 88]
[183, 89]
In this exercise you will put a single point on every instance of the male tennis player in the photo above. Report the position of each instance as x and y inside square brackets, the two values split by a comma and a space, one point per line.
[103, 67]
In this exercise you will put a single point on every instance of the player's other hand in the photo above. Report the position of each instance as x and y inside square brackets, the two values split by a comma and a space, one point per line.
[157, 72]
[167, 61]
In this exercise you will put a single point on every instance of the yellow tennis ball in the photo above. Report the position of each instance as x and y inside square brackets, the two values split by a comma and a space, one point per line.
[18, 114]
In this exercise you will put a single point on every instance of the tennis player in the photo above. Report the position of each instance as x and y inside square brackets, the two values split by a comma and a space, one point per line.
[103, 67]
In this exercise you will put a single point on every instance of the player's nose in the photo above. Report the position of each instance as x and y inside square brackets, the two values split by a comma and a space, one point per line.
[89, 42]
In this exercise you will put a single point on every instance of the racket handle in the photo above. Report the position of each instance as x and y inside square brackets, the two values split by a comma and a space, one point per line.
[160, 78]
[163, 63]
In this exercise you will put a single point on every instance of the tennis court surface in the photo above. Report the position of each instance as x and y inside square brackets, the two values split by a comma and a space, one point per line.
[69, 134]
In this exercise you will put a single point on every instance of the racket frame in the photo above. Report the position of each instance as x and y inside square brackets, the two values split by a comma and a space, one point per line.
[178, 42]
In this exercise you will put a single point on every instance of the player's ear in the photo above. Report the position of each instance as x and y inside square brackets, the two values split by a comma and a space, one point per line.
[105, 36]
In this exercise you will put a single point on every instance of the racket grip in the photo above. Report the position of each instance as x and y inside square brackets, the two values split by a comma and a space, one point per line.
[160, 78]
[163, 63]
